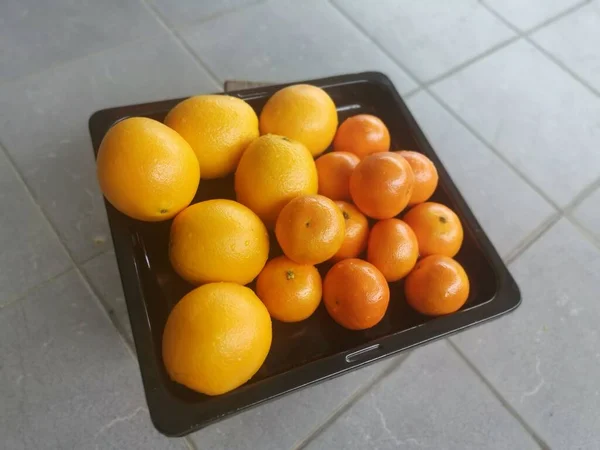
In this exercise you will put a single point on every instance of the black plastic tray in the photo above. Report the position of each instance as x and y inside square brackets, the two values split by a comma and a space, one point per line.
[315, 349]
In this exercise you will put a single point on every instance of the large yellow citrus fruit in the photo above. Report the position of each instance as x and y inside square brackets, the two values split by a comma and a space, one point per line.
[218, 240]
[302, 112]
[218, 127]
[216, 338]
[272, 171]
[146, 170]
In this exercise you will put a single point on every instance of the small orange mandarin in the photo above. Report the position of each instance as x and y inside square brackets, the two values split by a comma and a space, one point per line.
[357, 232]
[393, 248]
[381, 185]
[362, 135]
[310, 229]
[438, 285]
[334, 170]
[290, 291]
[355, 294]
[426, 176]
[437, 227]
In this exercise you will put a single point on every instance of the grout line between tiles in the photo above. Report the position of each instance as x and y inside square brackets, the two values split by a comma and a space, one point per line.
[526, 36]
[554, 18]
[103, 306]
[357, 395]
[175, 34]
[190, 444]
[582, 196]
[532, 237]
[499, 154]
[359, 27]
[538, 439]
[584, 231]
[35, 288]
[470, 61]
[212, 16]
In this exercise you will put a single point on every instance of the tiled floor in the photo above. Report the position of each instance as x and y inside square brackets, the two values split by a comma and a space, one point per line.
[508, 91]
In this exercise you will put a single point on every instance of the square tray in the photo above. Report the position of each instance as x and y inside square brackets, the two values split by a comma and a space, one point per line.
[317, 348]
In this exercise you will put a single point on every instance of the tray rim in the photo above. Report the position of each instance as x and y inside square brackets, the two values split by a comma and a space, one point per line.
[174, 417]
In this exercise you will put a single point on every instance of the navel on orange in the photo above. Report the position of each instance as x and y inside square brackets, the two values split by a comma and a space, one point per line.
[146, 170]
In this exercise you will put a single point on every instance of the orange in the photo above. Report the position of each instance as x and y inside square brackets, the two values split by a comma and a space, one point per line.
[355, 294]
[437, 228]
[218, 127]
[216, 338]
[334, 170]
[426, 176]
[393, 248]
[272, 171]
[438, 285]
[301, 112]
[218, 240]
[146, 170]
[290, 291]
[357, 232]
[381, 185]
[362, 135]
[310, 229]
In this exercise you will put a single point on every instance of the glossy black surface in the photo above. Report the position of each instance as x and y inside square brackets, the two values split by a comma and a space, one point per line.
[314, 349]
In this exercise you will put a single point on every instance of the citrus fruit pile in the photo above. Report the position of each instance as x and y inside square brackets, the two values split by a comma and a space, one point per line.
[360, 212]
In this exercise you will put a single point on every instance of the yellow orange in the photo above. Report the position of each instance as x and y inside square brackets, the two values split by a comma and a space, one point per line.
[146, 170]
[218, 127]
[272, 171]
[218, 240]
[216, 338]
[301, 112]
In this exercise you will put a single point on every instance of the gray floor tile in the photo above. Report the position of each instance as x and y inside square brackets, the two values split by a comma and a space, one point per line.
[432, 401]
[429, 37]
[30, 252]
[180, 13]
[43, 125]
[574, 41]
[506, 207]
[35, 35]
[545, 357]
[286, 40]
[544, 121]
[526, 14]
[67, 380]
[588, 213]
[103, 273]
[284, 423]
